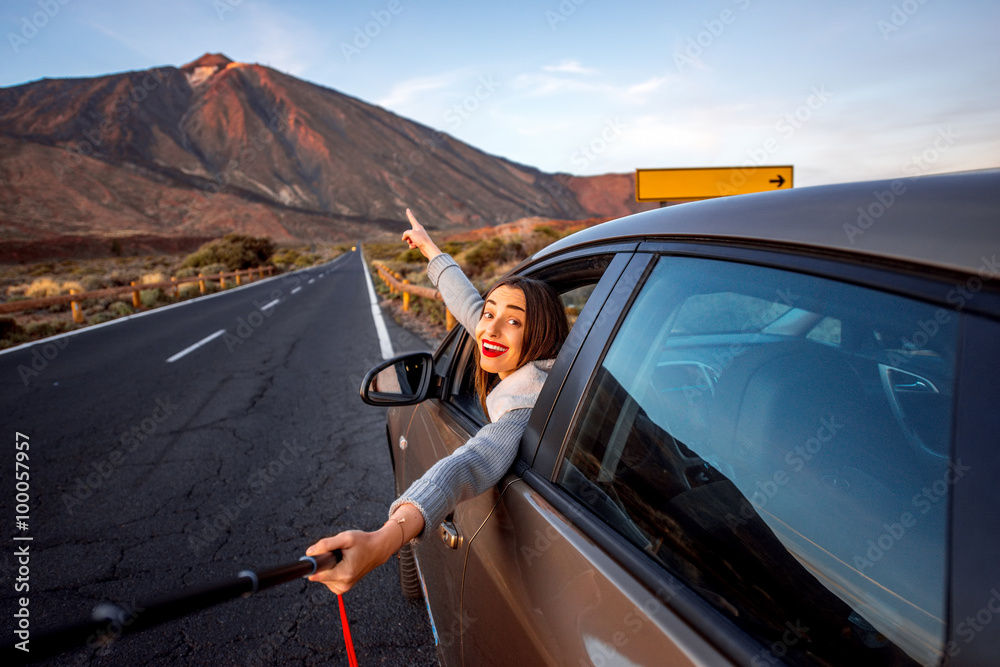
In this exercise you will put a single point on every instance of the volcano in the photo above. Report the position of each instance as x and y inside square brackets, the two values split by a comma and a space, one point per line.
[219, 146]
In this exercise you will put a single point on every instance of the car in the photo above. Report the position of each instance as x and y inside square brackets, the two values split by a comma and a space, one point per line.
[770, 438]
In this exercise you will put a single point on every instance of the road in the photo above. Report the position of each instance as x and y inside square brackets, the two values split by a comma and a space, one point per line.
[149, 476]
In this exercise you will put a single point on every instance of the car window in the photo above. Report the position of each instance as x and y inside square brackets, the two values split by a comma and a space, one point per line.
[446, 352]
[575, 281]
[780, 442]
[463, 385]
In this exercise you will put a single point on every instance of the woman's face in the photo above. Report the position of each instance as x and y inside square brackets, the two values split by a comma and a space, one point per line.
[500, 331]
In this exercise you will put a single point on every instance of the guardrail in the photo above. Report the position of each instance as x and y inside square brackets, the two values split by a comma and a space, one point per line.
[396, 284]
[74, 297]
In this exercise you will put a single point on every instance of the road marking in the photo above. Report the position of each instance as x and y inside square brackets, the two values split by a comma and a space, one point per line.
[312, 280]
[270, 305]
[383, 334]
[297, 289]
[195, 346]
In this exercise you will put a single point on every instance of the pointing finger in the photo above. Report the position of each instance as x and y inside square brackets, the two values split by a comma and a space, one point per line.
[413, 219]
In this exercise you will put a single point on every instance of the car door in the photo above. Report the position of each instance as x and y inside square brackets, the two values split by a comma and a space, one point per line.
[443, 425]
[734, 472]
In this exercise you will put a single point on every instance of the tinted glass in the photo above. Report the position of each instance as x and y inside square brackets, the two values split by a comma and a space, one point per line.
[780, 442]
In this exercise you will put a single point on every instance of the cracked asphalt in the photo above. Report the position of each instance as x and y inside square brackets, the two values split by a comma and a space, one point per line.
[148, 477]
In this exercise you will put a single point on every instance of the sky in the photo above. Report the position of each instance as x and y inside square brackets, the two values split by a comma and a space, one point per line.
[844, 91]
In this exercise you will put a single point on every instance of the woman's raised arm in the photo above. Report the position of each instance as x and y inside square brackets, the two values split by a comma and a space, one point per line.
[417, 237]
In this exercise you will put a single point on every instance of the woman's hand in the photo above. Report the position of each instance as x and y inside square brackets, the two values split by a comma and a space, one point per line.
[362, 553]
[416, 237]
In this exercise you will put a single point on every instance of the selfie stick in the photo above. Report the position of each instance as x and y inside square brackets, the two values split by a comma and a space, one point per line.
[110, 621]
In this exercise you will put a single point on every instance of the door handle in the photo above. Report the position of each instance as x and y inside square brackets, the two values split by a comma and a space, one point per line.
[450, 535]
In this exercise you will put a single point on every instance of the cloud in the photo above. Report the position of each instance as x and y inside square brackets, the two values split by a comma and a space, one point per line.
[405, 92]
[647, 86]
[547, 83]
[570, 67]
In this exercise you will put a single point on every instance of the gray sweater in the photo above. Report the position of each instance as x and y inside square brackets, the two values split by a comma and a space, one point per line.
[481, 462]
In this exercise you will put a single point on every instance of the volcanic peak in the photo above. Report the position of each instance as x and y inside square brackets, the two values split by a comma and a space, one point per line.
[203, 68]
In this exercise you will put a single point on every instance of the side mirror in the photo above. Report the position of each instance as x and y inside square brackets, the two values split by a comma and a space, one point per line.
[403, 380]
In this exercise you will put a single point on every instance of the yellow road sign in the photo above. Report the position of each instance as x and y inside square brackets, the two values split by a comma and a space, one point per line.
[708, 182]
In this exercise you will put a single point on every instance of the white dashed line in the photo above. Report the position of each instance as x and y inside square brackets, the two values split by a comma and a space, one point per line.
[297, 289]
[270, 305]
[312, 280]
[195, 346]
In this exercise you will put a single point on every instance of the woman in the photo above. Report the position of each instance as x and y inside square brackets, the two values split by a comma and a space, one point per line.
[519, 328]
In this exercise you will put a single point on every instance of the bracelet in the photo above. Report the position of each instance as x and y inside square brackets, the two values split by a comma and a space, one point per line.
[399, 522]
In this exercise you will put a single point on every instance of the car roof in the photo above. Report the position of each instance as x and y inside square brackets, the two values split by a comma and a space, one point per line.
[948, 221]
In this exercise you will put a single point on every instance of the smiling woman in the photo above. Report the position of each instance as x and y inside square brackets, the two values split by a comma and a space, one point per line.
[519, 328]
[506, 338]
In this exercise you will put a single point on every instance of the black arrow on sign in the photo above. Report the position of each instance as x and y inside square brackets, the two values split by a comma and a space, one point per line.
[780, 180]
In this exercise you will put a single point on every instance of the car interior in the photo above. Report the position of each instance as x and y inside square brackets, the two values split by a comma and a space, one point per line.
[768, 452]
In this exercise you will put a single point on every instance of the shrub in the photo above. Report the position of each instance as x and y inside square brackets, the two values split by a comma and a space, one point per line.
[410, 256]
[452, 247]
[287, 256]
[487, 254]
[42, 329]
[150, 278]
[235, 251]
[120, 309]
[151, 297]
[42, 287]
[306, 260]
[116, 279]
[9, 327]
[189, 290]
[547, 232]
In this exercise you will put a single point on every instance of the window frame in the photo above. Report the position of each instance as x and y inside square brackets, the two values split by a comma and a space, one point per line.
[974, 540]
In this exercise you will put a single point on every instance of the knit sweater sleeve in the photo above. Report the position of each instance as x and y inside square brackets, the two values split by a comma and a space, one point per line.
[467, 472]
[461, 297]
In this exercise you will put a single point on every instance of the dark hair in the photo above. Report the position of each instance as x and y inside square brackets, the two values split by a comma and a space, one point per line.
[545, 329]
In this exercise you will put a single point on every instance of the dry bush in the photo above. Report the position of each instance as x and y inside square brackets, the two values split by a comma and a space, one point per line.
[235, 251]
[42, 287]
[150, 278]
[189, 290]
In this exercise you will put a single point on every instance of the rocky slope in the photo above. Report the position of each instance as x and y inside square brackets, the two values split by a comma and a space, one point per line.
[218, 146]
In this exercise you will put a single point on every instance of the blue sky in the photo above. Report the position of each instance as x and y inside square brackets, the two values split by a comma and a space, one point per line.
[843, 91]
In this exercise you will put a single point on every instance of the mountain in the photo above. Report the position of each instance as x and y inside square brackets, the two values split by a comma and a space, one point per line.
[217, 146]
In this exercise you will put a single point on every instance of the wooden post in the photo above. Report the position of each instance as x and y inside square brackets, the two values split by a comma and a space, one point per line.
[238, 283]
[201, 283]
[406, 298]
[222, 280]
[75, 307]
[135, 296]
[177, 290]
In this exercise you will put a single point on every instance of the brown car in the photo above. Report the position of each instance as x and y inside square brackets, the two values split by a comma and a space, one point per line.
[770, 438]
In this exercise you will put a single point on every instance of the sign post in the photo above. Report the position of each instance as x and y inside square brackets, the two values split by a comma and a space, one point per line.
[681, 185]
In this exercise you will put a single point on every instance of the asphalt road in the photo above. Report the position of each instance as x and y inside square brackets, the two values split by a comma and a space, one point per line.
[148, 477]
